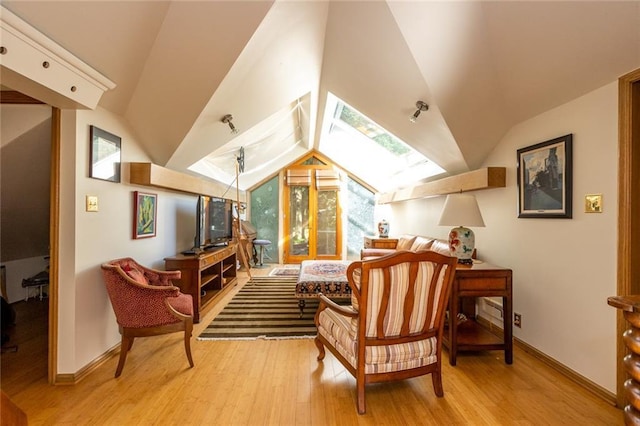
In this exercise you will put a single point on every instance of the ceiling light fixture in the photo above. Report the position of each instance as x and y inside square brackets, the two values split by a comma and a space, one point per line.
[422, 106]
[227, 120]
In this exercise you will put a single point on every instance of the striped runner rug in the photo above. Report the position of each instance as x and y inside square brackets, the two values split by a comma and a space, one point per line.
[266, 307]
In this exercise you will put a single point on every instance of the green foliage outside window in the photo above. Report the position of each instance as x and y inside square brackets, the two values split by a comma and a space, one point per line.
[372, 131]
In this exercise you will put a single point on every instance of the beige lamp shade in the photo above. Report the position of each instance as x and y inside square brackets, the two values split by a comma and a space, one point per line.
[461, 210]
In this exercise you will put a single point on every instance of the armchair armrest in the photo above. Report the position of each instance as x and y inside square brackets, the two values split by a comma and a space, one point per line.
[347, 311]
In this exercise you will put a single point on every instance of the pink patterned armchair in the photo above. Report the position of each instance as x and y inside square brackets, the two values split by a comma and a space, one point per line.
[146, 304]
[394, 326]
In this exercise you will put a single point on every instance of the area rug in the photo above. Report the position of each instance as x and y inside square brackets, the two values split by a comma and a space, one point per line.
[285, 271]
[264, 308]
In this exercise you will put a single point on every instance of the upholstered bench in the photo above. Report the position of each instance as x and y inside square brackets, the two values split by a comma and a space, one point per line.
[328, 277]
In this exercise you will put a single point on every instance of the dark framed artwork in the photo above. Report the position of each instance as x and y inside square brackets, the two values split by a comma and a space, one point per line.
[105, 155]
[545, 179]
[145, 207]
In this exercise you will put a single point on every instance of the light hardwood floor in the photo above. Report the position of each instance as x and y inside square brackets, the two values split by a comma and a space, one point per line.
[279, 382]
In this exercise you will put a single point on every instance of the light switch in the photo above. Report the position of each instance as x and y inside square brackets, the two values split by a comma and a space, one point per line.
[92, 203]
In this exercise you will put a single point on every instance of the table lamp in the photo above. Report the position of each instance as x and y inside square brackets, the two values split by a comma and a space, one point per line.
[461, 210]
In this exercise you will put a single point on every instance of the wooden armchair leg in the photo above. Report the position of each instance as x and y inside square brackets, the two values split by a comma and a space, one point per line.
[187, 343]
[362, 403]
[125, 346]
[436, 378]
[320, 347]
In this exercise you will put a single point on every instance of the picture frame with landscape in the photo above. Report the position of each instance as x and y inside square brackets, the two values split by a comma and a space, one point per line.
[545, 179]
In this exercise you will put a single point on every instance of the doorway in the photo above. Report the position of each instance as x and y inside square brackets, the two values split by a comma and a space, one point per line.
[629, 216]
[35, 327]
[312, 212]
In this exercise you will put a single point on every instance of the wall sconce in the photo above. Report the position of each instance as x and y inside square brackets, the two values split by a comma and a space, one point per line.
[227, 120]
[422, 106]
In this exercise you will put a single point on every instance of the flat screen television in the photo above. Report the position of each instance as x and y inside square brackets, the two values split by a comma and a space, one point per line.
[214, 221]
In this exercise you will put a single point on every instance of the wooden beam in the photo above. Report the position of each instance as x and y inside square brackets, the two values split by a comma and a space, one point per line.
[13, 97]
[489, 177]
[149, 174]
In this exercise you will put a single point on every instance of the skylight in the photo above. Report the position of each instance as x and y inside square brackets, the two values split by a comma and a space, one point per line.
[369, 151]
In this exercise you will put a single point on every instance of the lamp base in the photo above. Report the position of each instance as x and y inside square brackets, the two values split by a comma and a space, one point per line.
[462, 241]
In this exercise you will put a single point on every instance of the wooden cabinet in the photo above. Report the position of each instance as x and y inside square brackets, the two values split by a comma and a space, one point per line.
[470, 282]
[205, 276]
[381, 243]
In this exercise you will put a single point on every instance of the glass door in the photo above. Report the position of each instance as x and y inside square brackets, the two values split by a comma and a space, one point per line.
[312, 218]
[299, 226]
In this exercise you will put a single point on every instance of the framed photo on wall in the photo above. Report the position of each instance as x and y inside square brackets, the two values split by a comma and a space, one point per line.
[545, 179]
[105, 155]
[145, 207]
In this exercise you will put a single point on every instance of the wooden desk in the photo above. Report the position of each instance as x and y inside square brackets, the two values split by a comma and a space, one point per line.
[470, 282]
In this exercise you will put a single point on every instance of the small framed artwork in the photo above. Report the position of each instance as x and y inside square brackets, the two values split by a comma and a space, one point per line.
[593, 203]
[545, 179]
[144, 214]
[105, 155]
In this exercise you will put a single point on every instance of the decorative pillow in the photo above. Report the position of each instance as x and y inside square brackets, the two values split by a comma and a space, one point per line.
[135, 274]
[441, 247]
[405, 242]
[421, 243]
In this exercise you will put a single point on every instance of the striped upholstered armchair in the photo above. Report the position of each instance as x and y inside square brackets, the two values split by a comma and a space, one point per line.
[394, 326]
[146, 304]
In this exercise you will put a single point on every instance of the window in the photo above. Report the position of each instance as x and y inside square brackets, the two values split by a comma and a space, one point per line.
[371, 153]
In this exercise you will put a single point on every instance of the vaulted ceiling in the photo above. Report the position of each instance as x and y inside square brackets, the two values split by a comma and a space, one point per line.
[482, 67]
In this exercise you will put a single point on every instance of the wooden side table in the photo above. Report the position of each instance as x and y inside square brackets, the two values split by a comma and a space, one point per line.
[381, 243]
[470, 282]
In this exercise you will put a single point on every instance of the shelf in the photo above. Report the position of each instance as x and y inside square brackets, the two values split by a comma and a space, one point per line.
[470, 333]
[206, 279]
[208, 297]
[149, 174]
[486, 178]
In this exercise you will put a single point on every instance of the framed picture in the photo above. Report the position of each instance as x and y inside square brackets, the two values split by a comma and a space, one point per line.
[545, 179]
[105, 155]
[144, 214]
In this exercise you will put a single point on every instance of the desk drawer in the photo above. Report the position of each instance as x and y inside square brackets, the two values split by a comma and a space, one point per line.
[209, 260]
[482, 284]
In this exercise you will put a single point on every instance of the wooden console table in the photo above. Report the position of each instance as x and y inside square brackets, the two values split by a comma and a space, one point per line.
[205, 276]
[470, 282]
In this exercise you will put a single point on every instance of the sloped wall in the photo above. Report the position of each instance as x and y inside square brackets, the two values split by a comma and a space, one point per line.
[563, 269]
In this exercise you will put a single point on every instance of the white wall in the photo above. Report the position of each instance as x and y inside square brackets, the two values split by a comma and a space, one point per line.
[563, 269]
[87, 325]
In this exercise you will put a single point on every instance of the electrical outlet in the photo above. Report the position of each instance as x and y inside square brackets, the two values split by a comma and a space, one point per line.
[517, 319]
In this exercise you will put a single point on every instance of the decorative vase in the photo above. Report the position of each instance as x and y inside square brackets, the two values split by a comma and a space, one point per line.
[462, 241]
[383, 229]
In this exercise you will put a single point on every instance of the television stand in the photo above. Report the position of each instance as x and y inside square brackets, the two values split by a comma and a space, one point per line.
[214, 271]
